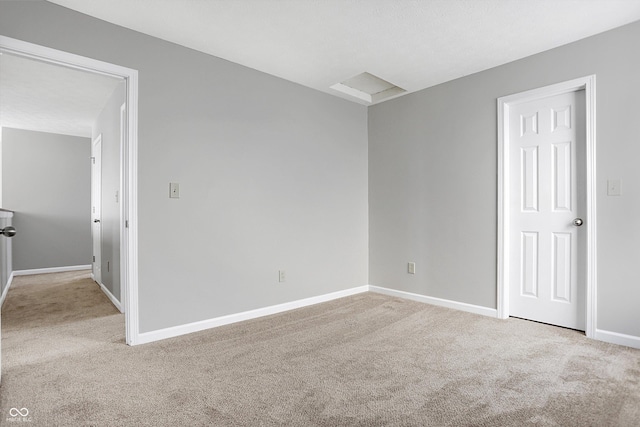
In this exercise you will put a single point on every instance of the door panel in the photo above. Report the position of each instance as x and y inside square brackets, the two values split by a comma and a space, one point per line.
[547, 263]
[529, 178]
[529, 263]
[561, 260]
[561, 176]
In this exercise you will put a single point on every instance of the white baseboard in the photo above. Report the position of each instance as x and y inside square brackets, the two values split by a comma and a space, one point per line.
[175, 331]
[6, 289]
[617, 338]
[51, 270]
[109, 295]
[470, 308]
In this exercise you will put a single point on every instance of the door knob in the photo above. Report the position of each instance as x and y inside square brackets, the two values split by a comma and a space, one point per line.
[8, 231]
[96, 220]
[577, 222]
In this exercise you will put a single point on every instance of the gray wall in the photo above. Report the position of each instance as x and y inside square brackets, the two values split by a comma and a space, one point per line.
[433, 185]
[108, 125]
[272, 175]
[46, 181]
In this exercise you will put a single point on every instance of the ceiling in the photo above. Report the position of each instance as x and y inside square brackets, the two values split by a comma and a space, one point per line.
[411, 44]
[45, 97]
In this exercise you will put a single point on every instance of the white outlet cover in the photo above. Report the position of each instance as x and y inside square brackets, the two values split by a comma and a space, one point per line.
[174, 190]
[613, 187]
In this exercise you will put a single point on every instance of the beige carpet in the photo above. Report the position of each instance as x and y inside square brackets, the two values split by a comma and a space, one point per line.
[365, 360]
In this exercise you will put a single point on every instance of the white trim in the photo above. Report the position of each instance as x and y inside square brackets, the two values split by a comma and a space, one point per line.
[66, 59]
[587, 83]
[502, 272]
[123, 205]
[6, 289]
[616, 338]
[462, 306]
[51, 270]
[96, 207]
[188, 328]
[129, 244]
[591, 297]
[109, 295]
[129, 196]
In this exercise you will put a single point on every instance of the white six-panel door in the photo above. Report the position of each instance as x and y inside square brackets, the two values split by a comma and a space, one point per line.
[547, 199]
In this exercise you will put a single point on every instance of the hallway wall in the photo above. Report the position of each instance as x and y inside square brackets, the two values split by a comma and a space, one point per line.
[46, 180]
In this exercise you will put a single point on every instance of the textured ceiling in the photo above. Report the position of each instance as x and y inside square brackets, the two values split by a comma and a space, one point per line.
[45, 97]
[413, 44]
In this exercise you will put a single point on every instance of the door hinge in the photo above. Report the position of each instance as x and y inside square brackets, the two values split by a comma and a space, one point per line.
[93, 160]
[94, 258]
[126, 223]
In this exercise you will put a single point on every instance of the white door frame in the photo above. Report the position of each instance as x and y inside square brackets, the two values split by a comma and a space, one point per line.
[128, 166]
[124, 203]
[96, 208]
[588, 84]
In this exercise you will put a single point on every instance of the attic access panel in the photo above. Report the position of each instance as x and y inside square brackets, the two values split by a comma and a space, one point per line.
[367, 87]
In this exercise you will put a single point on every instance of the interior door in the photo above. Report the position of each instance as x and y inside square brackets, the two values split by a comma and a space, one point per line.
[547, 199]
[96, 193]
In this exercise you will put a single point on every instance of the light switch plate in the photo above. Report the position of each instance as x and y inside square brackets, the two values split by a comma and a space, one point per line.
[174, 190]
[411, 268]
[613, 187]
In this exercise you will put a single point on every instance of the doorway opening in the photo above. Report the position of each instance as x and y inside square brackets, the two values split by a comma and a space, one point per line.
[127, 193]
[520, 247]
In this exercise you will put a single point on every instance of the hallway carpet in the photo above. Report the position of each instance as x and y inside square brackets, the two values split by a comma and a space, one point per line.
[365, 360]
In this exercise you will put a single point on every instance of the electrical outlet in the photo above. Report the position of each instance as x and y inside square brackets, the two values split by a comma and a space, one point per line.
[174, 190]
[281, 276]
[613, 187]
[411, 268]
